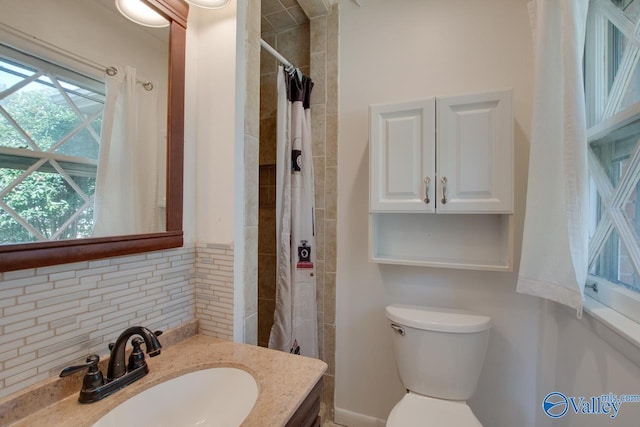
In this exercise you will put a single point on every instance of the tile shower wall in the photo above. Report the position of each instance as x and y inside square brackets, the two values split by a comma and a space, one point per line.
[324, 121]
[266, 252]
[51, 317]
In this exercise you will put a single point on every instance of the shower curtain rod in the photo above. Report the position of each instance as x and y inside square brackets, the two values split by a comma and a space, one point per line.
[277, 54]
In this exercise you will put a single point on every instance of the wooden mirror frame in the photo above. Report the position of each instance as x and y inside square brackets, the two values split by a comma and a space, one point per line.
[39, 254]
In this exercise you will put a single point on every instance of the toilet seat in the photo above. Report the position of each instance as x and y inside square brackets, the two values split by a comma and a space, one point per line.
[415, 410]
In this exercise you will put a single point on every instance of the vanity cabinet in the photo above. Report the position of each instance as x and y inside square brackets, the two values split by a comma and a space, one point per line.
[308, 413]
[430, 159]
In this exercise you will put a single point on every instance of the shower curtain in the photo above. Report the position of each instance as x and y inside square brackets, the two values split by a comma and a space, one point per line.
[295, 318]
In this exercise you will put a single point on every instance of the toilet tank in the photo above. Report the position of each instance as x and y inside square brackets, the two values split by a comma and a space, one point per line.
[439, 352]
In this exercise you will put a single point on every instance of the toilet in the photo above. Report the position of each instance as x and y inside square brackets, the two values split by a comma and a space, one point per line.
[439, 354]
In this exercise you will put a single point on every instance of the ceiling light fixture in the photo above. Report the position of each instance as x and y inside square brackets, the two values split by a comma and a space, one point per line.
[140, 13]
[209, 4]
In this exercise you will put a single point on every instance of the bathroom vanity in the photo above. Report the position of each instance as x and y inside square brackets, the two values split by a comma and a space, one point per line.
[289, 386]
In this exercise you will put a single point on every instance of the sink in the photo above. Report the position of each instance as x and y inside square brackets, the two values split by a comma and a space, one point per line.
[206, 398]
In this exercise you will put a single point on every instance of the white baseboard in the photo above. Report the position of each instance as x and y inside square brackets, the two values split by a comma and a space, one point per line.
[354, 419]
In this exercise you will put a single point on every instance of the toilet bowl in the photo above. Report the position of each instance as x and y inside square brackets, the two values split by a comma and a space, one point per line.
[417, 410]
[439, 354]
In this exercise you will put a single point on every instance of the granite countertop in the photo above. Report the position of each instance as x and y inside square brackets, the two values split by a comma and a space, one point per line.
[284, 380]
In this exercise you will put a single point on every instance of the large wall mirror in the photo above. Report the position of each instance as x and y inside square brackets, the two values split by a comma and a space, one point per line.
[91, 131]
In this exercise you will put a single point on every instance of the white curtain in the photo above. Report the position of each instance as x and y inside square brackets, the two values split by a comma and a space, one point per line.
[295, 319]
[554, 259]
[126, 195]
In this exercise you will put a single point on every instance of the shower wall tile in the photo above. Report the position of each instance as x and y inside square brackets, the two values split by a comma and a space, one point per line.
[318, 128]
[320, 285]
[318, 36]
[252, 32]
[248, 277]
[266, 309]
[330, 348]
[281, 19]
[319, 172]
[251, 273]
[271, 6]
[330, 298]
[268, 96]
[330, 245]
[268, 64]
[298, 15]
[267, 232]
[266, 277]
[251, 191]
[331, 192]
[319, 75]
[313, 8]
[320, 216]
[252, 106]
[268, 141]
[332, 87]
[293, 44]
[331, 144]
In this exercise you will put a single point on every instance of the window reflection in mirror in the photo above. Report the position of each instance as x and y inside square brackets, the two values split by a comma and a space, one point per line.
[73, 162]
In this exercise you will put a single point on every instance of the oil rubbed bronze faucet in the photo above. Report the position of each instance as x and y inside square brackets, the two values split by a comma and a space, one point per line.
[95, 387]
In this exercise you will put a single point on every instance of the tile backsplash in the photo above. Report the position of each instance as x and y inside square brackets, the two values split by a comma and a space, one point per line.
[214, 289]
[51, 317]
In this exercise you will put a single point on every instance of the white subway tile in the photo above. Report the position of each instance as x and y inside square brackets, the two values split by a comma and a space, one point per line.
[62, 275]
[19, 308]
[18, 326]
[62, 267]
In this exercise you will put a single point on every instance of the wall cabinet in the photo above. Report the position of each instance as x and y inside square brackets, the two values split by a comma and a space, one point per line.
[450, 155]
[464, 164]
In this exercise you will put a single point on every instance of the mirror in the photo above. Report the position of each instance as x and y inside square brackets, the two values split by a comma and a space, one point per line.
[126, 241]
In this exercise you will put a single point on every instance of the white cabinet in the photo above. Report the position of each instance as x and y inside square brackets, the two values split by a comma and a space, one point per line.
[464, 165]
[475, 153]
[441, 156]
[403, 158]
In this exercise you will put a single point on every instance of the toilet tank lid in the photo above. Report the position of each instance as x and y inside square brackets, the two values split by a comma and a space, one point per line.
[437, 319]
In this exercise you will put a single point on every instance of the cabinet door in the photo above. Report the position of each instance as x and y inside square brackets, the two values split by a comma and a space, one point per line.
[402, 157]
[475, 154]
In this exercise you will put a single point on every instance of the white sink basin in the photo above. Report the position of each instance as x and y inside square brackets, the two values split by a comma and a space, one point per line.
[207, 398]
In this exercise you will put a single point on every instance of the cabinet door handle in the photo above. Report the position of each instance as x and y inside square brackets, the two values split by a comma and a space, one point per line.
[443, 181]
[427, 181]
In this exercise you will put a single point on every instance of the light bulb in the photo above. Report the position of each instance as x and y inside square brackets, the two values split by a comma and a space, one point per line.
[140, 13]
[209, 4]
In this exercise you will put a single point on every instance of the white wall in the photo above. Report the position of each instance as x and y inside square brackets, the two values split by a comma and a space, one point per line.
[210, 115]
[587, 365]
[393, 52]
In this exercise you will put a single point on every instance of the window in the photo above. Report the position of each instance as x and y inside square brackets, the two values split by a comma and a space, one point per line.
[50, 122]
[612, 89]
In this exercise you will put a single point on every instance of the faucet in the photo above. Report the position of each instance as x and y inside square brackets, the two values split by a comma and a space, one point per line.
[117, 367]
[95, 387]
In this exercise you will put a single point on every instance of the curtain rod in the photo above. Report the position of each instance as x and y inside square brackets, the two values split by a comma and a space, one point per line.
[32, 40]
[277, 54]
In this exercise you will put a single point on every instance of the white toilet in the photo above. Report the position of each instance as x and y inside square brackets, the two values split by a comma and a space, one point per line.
[439, 353]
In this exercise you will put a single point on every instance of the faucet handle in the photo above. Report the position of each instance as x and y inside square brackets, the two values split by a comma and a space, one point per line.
[93, 377]
[92, 361]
